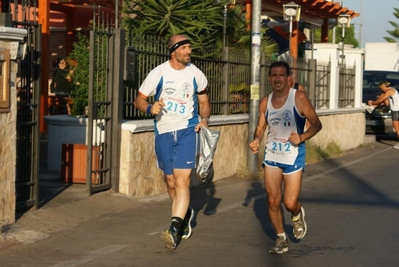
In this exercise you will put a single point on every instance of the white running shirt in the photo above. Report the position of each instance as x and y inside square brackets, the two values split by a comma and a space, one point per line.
[178, 89]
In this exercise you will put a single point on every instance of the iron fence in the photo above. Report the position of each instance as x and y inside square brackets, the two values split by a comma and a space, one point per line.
[28, 105]
[228, 80]
[347, 87]
[322, 88]
[229, 75]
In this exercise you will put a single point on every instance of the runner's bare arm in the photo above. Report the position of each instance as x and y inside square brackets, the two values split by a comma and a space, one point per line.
[141, 103]
[261, 126]
[382, 98]
[204, 109]
[307, 110]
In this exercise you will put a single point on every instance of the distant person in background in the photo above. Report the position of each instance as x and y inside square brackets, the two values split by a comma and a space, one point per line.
[389, 97]
[295, 85]
[298, 87]
[60, 86]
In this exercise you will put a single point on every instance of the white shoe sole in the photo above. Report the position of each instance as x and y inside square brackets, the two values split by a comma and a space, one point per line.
[190, 231]
[304, 224]
[278, 252]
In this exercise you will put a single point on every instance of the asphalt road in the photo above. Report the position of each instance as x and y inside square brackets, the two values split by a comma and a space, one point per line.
[351, 205]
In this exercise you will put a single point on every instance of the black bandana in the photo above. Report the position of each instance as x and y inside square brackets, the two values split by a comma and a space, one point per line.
[176, 45]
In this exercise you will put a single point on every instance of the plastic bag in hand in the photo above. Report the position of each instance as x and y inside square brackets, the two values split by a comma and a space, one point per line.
[207, 145]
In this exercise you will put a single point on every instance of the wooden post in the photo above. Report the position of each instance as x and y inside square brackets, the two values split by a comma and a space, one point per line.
[69, 31]
[324, 32]
[294, 40]
[248, 13]
[43, 19]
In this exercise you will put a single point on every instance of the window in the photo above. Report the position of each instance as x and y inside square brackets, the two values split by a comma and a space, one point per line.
[372, 79]
[4, 80]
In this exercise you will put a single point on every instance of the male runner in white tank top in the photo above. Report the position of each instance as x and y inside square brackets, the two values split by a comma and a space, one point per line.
[389, 97]
[284, 111]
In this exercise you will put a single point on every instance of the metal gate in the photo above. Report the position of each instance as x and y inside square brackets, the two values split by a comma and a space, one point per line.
[28, 99]
[105, 108]
[346, 86]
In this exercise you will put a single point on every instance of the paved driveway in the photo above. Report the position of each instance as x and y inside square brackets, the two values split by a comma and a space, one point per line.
[351, 207]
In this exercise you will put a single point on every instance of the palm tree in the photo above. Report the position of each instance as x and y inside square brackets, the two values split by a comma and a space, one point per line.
[200, 20]
[203, 21]
[395, 32]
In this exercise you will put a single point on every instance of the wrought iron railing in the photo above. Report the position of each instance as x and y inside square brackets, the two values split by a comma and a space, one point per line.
[229, 79]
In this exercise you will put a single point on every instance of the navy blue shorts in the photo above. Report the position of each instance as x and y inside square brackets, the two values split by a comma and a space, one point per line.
[176, 150]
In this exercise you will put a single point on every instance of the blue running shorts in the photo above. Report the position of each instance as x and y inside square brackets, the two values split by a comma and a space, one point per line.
[299, 163]
[176, 150]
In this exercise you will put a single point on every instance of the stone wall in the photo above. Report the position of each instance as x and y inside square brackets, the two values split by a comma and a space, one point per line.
[345, 127]
[8, 153]
[140, 177]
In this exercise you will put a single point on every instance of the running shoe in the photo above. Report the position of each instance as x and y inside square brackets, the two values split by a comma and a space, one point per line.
[396, 146]
[280, 246]
[186, 227]
[170, 238]
[370, 109]
[300, 226]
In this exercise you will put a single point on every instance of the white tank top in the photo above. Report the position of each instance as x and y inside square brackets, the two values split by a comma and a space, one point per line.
[394, 101]
[282, 122]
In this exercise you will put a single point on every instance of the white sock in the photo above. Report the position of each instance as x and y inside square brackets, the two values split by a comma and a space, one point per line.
[283, 235]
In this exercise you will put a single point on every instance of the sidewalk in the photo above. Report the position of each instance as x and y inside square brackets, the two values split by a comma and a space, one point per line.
[351, 208]
[61, 206]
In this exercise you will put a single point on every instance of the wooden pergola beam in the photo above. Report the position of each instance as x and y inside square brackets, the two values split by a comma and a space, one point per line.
[43, 19]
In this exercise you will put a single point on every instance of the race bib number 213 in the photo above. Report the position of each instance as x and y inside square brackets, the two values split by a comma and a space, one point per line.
[176, 107]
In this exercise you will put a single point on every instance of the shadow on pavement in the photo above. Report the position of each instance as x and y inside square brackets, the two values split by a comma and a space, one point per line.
[52, 191]
[203, 198]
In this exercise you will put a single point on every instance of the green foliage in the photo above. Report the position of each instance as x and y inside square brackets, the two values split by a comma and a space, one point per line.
[349, 36]
[268, 45]
[315, 153]
[200, 20]
[80, 55]
[394, 34]
[80, 74]
[238, 88]
[205, 22]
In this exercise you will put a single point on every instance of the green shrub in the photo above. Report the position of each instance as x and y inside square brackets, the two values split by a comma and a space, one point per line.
[316, 153]
[80, 74]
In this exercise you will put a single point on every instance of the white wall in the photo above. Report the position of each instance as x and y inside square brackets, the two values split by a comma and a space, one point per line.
[329, 52]
[382, 56]
[354, 56]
